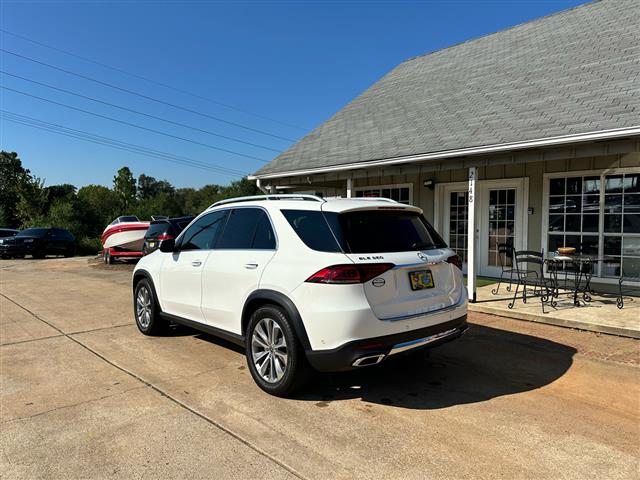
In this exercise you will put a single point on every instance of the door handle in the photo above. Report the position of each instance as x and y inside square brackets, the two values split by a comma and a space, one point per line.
[251, 266]
[196, 263]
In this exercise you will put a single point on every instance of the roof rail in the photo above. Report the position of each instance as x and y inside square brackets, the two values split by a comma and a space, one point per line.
[277, 196]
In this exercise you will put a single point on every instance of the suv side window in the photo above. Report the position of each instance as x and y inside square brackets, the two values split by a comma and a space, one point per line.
[247, 228]
[203, 233]
[265, 238]
[313, 229]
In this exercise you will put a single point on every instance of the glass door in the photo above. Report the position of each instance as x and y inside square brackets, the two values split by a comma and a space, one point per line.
[501, 222]
[501, 207]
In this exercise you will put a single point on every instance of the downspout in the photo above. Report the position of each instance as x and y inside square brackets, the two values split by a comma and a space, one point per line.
[260, 186]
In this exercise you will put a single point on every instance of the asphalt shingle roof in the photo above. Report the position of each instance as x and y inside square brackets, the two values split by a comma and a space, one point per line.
[577, 71]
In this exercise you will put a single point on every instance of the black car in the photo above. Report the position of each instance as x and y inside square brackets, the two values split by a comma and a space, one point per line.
[163, 229]
[39, 242]
[8, 232]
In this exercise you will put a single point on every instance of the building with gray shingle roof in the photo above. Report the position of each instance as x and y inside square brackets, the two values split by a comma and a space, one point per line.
[546, 102]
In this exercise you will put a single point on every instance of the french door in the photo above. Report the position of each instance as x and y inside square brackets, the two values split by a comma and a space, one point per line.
[500, 218]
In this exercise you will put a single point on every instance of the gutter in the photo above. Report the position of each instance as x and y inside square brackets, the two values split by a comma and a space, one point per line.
[500, 147]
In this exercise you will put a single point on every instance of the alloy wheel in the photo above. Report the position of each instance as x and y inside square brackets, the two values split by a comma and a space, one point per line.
[143, 307]
[269, 350]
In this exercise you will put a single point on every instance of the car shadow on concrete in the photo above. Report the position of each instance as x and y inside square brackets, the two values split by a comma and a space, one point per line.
[485, 363]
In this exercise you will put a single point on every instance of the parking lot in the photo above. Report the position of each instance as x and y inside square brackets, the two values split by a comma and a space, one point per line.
[83, 394]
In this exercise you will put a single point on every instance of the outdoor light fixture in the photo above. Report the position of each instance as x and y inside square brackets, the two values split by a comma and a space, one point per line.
[428, 184]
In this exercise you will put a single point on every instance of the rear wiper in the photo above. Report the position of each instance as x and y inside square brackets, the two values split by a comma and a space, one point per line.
[422, 245]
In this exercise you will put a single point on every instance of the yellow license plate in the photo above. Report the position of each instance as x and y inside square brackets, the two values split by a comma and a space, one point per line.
[421, 279]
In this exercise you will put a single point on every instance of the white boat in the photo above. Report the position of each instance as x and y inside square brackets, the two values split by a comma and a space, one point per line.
[125, 234]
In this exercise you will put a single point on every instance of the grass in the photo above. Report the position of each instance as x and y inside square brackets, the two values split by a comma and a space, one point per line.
[482, 281]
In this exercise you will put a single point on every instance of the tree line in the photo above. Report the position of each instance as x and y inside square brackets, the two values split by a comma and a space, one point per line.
[25, 200]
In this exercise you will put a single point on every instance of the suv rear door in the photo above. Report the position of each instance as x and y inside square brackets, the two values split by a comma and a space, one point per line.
[233, 269]
[422, 280]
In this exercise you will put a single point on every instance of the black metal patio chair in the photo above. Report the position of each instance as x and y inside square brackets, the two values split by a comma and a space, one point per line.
[529, 272]
[505, 254]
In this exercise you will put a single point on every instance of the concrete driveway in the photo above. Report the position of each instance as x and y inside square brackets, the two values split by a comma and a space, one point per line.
[83, 394]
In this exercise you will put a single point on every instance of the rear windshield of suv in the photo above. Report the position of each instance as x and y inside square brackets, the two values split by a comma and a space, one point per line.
[157, 228]
[376, 231]
[368, 231]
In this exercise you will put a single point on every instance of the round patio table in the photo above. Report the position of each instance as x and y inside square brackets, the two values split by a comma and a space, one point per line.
[581, 266]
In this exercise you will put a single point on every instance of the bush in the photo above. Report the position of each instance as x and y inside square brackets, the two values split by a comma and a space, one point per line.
[89, 246]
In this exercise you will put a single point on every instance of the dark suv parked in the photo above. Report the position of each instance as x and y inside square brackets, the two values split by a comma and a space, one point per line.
[164, 229]
[8, 232]
[39, 242]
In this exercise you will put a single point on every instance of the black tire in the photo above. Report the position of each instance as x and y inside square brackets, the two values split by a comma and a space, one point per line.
[71, 251]
[153, 324]
[39, 254]
[297, 370]
[108, 259]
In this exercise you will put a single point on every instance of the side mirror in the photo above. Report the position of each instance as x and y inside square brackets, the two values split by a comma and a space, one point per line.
[168, 246]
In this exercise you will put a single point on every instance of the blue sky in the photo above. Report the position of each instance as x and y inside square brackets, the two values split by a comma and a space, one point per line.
[295, 62]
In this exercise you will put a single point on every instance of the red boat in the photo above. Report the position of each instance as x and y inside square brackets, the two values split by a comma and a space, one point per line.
[123, 238]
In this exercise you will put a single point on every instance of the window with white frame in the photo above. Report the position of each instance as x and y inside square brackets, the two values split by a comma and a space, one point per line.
[600, 215]
[399, 193]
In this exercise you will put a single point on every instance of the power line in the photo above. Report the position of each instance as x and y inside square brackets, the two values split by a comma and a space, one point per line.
[159, 132]
[197, 129]
[118, 147]
[114, 143]
[82, 135]
[155, 82]
[141, 95]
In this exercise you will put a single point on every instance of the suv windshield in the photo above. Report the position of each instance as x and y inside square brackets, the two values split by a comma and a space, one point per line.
[368, 231]
[33, 232]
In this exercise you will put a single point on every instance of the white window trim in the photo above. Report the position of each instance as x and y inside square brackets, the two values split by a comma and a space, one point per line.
[443, 188]
[582, 173]
[380, 187]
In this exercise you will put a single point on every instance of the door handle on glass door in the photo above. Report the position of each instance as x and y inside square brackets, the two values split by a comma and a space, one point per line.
[196, 263]
[251, 266]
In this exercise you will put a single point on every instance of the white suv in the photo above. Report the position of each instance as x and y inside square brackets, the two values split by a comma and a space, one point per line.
[305, 283]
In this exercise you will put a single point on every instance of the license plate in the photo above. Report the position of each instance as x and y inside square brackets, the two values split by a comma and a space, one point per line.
[28, 240]
[421, 279]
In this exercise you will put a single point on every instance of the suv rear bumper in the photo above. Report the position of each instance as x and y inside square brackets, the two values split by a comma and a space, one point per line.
[374, 350]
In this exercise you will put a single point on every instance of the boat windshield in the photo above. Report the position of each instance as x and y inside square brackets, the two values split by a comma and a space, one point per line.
[125, 219]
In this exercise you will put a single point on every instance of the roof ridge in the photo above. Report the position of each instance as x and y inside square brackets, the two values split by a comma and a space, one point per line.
[512, 27]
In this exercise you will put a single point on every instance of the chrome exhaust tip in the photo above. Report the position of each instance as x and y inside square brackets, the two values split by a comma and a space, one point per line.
[369, 360]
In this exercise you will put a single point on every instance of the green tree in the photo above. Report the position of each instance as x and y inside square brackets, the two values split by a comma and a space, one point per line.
[13, 179]
[146, 186]
[124, 186]
[32, 207]
[100, 206]
[149, 187]
[66, 213]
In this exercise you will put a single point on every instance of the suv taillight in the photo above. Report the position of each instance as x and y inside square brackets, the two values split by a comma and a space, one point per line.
[348, 274]
[165, 236]
[455, 260]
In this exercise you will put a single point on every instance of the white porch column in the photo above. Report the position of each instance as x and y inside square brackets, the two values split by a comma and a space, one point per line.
[471, 236]
[349, 186]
